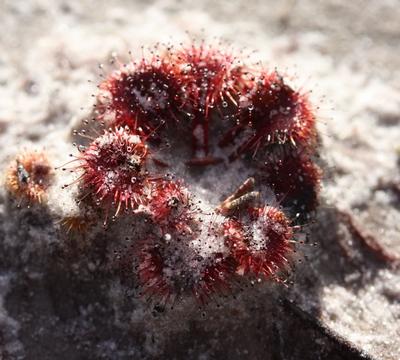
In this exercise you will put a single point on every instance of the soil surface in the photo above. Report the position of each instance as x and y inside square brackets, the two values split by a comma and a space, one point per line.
[345, 301]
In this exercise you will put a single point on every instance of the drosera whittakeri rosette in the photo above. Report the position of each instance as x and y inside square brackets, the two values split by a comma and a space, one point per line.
[216, 155]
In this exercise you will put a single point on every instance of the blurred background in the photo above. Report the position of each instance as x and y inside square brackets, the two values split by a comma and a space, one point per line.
[346, 301]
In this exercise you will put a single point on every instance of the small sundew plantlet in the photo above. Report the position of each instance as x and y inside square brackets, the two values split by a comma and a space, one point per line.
[190, 262]
[260, 242]
[213, 79]
[29, 177]
[170, 204]
[271, 113]
[142, 94]
[295, 179]
[113, 169]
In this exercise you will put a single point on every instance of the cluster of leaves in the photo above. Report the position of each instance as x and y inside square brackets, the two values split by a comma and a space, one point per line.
[224, 112]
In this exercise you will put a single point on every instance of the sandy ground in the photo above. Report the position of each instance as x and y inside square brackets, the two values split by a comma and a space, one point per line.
[346, 299]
